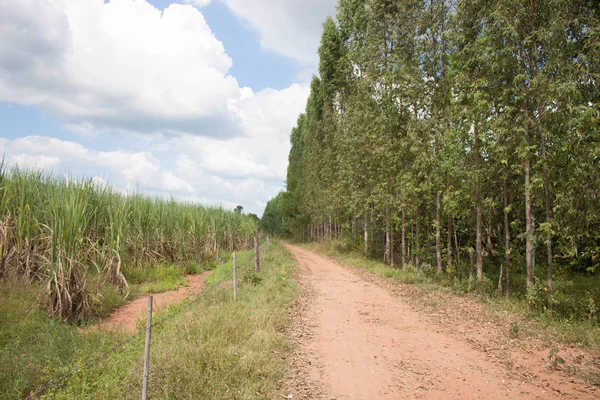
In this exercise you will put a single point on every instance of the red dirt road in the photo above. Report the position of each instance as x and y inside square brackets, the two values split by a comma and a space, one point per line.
[126, 317]
[356, 340]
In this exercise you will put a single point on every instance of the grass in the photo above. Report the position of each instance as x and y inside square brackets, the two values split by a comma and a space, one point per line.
[157, 279]
[34, 348]
[142, 281]
[216, 348]
[577, 329]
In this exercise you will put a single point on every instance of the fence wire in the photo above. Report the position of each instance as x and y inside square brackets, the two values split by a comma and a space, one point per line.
[55, 383]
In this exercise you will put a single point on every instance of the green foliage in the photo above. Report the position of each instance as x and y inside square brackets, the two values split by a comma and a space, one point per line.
[69, 234]
[216, 349]
[34, 348]
[192, 268]
[555, 358]
[106, 300]
[514, 329]
[253, 278]
[276, 216]
[466, 128]
[591, 311]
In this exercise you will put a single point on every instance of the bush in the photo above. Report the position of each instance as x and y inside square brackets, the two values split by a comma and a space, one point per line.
[341, 245]
[253, 278]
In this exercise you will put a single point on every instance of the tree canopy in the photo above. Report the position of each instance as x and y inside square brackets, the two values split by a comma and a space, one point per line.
[443, 133]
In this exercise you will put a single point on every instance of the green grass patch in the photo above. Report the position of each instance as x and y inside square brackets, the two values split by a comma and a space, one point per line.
[156, 279]
[142, 281]
[34, 348]
[215, 348]
[409, 275]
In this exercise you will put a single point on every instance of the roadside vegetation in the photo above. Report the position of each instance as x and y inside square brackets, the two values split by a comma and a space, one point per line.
[217, 348]
[457, 143]
[87, 245]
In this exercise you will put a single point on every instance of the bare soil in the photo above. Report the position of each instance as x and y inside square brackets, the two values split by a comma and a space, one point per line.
[357, 336]
[126, 317]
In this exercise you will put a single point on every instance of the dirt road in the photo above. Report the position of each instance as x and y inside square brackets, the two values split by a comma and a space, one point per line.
[357, 340]
[126, 317]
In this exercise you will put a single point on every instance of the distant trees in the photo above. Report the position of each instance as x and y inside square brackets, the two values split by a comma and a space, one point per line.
[275, 218]
[441, 129]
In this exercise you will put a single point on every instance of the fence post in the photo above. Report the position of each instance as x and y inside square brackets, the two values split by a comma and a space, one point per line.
[147, 350]
[264, 252]
[234, 279]
[256, 254]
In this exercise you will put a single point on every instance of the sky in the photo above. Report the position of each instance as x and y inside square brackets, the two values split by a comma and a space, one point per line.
[189, 99]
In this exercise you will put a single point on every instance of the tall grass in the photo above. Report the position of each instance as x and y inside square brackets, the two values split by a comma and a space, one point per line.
[217, 349]
[72, 234]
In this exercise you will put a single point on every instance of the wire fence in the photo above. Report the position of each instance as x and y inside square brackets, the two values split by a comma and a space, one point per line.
[56, 384]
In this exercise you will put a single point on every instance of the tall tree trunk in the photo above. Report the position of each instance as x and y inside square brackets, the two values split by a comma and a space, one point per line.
[506, 238]
[488, 231]
[500, 282]
[392, 261]
[456, 246]
[449, 243]
[548, 216]
[471, 263]
[411, 244]
[438, 237]
[322, 231]
[403, 259]
[528, 222]
[386, 255]
[478, 237]
[417, 242]
[366, 236]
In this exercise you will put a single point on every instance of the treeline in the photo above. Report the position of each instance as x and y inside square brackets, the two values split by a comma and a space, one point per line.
[76, 236]
[443, 132]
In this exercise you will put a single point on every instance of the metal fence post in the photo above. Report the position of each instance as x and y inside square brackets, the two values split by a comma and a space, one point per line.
[147, 350]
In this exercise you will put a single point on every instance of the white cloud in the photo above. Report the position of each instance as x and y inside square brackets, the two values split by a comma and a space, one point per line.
[290, 27]
[124, 69]
[39, 161]
[119, 64]
[267, 118]
[195, 175]
[197, 3]
[130, 170]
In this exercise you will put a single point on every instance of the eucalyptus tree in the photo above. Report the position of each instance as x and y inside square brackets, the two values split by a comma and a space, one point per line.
[482, 114]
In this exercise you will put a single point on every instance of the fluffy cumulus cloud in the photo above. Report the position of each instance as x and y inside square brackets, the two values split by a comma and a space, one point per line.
[124, 68]
[123, 63]
[195, 175]
[197, 3]
[289, 27]
[129, 171]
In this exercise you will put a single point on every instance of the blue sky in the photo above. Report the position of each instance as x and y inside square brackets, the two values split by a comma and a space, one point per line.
[191, 99]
